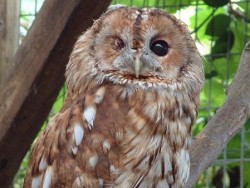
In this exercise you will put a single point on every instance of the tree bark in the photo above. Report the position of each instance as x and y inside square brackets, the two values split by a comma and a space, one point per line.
[228, 121]
[9, 34]
[38, 74]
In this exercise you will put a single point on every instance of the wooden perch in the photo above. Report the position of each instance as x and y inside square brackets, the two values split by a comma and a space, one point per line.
[228, 121]
[26, 97]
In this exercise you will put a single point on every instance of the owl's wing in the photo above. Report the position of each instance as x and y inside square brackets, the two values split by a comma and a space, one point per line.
[71, 151]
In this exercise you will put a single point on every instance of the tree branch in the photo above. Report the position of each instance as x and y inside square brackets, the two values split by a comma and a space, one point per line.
[26, 97]
[228, 121]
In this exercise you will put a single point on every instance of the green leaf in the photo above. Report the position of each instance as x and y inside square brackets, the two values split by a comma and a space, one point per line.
[246, 173]
[218, 25]
[214, 92]
[172, 6]
[223, 44]
[241, 32]
[226, 67]
[212, 74]
[234, 146]
[204, 12]
[216, 3]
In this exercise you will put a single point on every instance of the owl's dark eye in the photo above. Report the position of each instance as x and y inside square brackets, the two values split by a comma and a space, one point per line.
[159, 47]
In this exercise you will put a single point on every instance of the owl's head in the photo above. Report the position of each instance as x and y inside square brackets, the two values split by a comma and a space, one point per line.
[136, 48]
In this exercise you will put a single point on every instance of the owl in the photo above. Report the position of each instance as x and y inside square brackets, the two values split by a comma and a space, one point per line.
[134, 80]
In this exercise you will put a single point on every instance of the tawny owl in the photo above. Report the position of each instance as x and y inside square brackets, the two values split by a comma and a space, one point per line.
[134, 80]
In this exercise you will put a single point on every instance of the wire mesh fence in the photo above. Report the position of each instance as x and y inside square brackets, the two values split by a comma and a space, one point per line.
[221, 29]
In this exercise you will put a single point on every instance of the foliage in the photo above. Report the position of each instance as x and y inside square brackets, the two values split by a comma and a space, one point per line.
[221, 29]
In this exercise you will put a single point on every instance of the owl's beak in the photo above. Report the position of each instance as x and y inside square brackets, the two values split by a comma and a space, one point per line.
[137, 67]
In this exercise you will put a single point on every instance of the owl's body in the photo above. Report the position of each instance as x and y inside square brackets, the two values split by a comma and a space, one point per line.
[134, 80]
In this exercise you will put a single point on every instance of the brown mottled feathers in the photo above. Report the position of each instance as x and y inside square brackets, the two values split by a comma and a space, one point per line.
[134, 80]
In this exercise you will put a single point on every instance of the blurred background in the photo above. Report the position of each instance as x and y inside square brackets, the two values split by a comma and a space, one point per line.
[221, 28]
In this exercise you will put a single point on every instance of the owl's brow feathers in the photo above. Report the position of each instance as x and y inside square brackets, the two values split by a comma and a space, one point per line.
[138, 19]
[136, 30]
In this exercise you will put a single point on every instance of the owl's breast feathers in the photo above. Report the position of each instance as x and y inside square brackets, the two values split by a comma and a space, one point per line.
[116, 137]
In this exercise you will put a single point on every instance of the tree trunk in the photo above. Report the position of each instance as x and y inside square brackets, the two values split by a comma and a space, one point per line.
[38, 74]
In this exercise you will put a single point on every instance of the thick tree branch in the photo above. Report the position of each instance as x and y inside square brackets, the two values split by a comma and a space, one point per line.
[27, 95]
[228, 121]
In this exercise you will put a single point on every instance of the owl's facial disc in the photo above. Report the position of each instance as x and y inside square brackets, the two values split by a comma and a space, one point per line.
[140, 60]
[137, 45]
